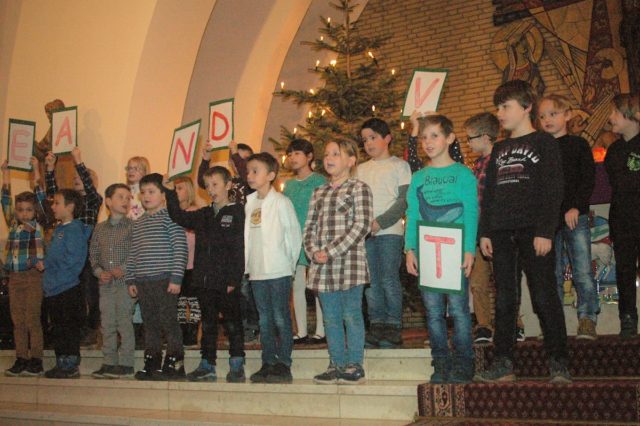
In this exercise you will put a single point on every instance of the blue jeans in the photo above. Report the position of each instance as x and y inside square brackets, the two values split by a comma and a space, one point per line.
[342, 311]
[384, 297]
[458, 306]
[578, 246]
[276, 334]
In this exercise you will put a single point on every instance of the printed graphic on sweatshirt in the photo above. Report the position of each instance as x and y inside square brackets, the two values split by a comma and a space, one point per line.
[440, 209]
[633, 162]
[256, 218]
[514, 164]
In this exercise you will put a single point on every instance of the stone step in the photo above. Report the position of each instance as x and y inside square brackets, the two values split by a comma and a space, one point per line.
[377, 400]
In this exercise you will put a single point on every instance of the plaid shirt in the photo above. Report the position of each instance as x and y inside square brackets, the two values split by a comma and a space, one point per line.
[110, 245]
[25, 242]
[92, 200]
[338, 222]
[480, 172]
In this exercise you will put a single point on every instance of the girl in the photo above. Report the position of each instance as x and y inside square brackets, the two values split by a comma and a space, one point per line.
[339, 219]
[300, 157]
[623, 167]
[188, 307]
[445, 191]
[137, 167]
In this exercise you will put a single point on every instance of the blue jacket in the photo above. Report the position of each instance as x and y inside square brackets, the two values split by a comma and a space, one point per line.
[66, 256]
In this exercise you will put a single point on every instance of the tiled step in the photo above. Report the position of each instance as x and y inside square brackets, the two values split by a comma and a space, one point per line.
[392, 400]
[604, 401]
[607, 356]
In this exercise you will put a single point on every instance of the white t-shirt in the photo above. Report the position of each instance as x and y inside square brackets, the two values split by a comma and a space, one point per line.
[384, 177]
[256, 256]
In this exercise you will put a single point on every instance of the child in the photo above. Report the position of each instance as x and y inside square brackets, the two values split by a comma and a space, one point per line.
[155, 269]
[300, 156]
[411, 152]
[137, 167]
[108, 253]
[579, 172]
[240, 152]
[339, 219]
[24, 254]
[66, 257]
[217, 271]
[520, 209]
[623, 167]
[445, 192]
[271, 249]
[188, 306]
[388, 178]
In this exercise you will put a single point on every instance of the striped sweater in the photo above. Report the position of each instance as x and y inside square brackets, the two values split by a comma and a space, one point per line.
[158, 249]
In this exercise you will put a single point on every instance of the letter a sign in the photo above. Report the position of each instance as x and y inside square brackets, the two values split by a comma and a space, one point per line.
[183, 149]
[64, 130]
[440, 254]
[20, 147]
[220, 124]
[424, 91]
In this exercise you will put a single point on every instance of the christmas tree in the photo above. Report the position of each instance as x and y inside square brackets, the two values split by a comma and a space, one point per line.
[356, 87]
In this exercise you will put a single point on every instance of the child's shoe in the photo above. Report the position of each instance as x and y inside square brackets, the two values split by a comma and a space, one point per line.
[280, 373]
[70, 368]
[34, 368]
[628, 327]
[18, 368]
[391, 336]
[206, 372]
[558, 372]
[329, 377]
[260, 376]
[119, 372]
[54, 372]
[103, 372]
[374, 335]
[501, 370]
[462, 370]
[353, 374]
[173, 368]
[236, 370]
[586, 329]
[441, 370]
[151, 367]
[520, 336]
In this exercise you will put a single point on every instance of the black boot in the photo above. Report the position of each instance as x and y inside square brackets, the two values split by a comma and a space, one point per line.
[628, 326]
[151, 369]
[173, 368]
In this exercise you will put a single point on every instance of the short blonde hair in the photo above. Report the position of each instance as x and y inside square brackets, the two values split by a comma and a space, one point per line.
[191, 190]
[141, 161]
[350, 148]
[559, 101]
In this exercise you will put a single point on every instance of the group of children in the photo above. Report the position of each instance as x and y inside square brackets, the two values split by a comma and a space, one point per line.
[333, 236]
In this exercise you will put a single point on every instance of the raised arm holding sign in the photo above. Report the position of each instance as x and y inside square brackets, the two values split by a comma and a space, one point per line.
[21, 142]
[64, 130]
[424, 91]
[183, 148]
[220, 124]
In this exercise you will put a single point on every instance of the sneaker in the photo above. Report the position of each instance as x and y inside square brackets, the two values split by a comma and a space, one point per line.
[102, 372]
[501, 370]
[260, 376]
[34, 368]
[173, 368]
[520, 336]
[316, 339]
[120, 372]
[391, 336]
[64, 369]
[151, 367]
[280, 373]
[559, 373]
[206, 372]
[628, 327]
[236, 370]
[18, 368]
[353, 374]
[374, 335]
[297, 340]
[483, 335]
[586, 329]
[329, 377]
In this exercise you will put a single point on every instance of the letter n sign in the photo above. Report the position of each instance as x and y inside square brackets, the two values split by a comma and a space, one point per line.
[440, 256]
[220, 124]
[183, 149]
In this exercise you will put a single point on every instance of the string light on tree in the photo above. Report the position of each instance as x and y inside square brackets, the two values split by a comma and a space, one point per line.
[282, 85]
[333, 62]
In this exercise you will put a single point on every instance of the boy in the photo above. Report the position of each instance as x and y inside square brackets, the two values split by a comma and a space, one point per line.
[520, 208]
[84, 182]
[239, 153]
[219, 231]
[24, 254]
[272, 244]
[389, 178]
[108, 253]
[63, 264]
[154, 273]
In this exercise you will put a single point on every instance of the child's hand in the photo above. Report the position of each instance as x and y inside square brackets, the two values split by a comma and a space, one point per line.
[50, 161]
[571, 218]
[467, 264]
[117, 273]
[320, 257]
[412, 263]
[105, 277]
[542, 246]
[77, 155]
[166, 182]
[230, 289]
[486, 247]
[40, 265]
[206, 154]
[133, 291]
[233, 147]
[173, 288]
[375, 227]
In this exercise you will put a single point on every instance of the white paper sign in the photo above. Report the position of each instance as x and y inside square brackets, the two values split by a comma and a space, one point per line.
[20, 146]
[424, 91]
[64, 130]
[183, 148]
[220, 124]
[440, 256]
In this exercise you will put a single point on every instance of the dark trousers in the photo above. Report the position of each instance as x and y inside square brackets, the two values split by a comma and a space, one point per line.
[214, 302]
[90, 309]
[627, 249]
[66, 322]
[160, 315]
[513, 248]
